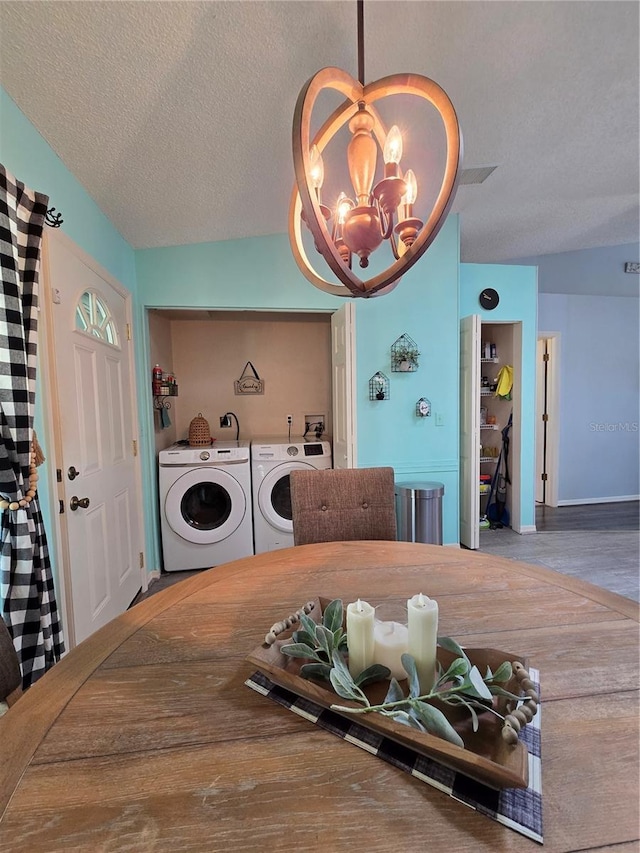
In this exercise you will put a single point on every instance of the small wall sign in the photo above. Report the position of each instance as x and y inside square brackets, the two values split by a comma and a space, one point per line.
[249, 382]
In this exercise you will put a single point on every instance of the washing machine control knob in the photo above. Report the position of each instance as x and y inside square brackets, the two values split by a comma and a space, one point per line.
[292, 451]
[205, 455]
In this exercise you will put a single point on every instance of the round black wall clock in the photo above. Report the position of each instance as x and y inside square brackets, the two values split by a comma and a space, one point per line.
[489, 298]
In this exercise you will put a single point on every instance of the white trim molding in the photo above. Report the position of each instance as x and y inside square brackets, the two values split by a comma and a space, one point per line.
[612, 499]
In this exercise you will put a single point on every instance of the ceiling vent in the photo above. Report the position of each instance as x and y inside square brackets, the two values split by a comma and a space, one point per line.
[475, 175]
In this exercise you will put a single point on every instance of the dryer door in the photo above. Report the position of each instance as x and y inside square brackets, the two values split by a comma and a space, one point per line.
[274, 495]
[205, 505]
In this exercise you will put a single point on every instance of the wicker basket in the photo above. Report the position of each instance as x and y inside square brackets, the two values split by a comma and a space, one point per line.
[199, 432]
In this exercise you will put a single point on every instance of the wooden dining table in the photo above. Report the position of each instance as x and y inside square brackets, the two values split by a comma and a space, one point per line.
[146, 738]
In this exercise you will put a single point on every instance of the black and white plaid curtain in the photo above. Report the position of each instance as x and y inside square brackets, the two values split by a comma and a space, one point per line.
[26, 584]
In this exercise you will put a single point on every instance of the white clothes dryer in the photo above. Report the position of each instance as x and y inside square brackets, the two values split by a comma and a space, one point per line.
[205, 505]
[272, 460]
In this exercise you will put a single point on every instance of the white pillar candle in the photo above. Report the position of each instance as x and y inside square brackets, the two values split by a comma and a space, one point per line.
[360, 620]
[390, 643]
[422, 618]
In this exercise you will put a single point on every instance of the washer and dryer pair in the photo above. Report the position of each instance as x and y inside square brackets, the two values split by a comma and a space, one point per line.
[206, 498]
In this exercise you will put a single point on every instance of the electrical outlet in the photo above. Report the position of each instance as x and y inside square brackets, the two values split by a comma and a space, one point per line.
[289, 420]
[225, 421]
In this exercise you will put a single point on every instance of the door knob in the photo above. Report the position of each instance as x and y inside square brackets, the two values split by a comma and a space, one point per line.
[76, 502]
[72, 473]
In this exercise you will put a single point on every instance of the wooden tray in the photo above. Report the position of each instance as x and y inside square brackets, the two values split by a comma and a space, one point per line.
[485, 757]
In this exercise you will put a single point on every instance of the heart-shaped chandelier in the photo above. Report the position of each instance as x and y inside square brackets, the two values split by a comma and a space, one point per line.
[381, 210]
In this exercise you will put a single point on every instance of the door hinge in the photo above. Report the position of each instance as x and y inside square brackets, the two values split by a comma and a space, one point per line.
[141, 560]
[135, 447]
[545, 417]
[58, 475]
[128, 331]
[545, 357]
[543, 477]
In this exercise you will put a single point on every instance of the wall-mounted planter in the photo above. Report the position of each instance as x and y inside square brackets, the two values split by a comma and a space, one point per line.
[404, 355]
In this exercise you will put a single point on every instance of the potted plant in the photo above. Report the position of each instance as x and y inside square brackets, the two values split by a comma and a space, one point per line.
[405, 357]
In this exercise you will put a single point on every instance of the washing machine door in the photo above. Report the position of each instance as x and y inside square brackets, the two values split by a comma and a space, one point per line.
[205, 505]
[274, 495]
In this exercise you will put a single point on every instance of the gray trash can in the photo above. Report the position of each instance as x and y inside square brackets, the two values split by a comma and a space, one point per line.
[419, 512]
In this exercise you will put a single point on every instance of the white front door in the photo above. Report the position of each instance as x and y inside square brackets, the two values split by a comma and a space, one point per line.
[343, 370]
[470, 431]
[93, 378]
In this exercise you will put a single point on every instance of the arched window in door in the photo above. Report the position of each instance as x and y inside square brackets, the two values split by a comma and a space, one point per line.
[94, 318]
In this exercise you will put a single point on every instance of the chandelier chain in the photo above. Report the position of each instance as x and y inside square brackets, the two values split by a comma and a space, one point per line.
[361, 42]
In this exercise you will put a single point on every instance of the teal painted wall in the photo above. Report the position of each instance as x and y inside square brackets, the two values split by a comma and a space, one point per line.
[425, 307]
[518, 290]
[29, 158]
[257, 273]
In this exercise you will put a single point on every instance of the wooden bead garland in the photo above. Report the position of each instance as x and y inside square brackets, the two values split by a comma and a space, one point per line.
[519, 718]
[31, 491]
[294, 618]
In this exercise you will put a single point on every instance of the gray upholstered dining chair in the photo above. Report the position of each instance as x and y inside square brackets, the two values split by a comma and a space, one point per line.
[339, 504]
[10, 677]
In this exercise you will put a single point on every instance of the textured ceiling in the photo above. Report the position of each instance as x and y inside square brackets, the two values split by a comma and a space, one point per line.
[176, 116]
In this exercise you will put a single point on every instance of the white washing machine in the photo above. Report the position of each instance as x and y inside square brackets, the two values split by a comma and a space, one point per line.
[205, 505]
[272, 460]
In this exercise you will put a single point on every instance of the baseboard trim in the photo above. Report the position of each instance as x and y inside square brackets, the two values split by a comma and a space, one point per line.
[149, 578]
[613, 499]
[451, 545]
[527, 528]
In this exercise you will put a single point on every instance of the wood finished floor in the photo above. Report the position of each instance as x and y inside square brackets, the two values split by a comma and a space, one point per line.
[599, 543]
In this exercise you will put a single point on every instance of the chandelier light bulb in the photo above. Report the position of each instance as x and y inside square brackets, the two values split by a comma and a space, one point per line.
[343, 206]
[412, 187]
[317, 167]
[393, 146]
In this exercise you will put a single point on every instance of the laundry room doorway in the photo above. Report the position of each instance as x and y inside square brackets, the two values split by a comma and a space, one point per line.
[207, 351]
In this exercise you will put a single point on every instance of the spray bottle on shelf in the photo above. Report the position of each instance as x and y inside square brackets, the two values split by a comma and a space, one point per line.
[157, 379]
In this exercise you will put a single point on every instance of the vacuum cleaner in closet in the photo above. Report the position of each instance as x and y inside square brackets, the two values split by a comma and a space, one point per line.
[497, 512]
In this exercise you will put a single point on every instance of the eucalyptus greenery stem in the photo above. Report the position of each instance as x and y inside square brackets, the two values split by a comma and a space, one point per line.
[401, 703]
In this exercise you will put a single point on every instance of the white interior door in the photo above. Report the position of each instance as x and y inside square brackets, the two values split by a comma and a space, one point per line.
[547, 402]
[470, 431]
[94, 380]
[343, 376]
